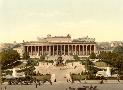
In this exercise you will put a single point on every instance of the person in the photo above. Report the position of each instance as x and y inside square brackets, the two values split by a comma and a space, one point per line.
[101, 82]
[36, 85]
[118, 77]
[91, 87]
[55, 80]
[70, 88]
[85, 80]
[5, 87]
[39, 83]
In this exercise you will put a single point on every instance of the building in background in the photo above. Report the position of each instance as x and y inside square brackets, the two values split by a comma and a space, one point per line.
[60, 45]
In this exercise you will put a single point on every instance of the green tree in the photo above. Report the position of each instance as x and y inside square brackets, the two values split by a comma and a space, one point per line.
[90, 69]
[92, 55]
[114, 59]
[9, 57]
[42, 57]
[32, 62]
[76, 57]
[118, 62]
[29, 71]
[26, 55]
[118, 49]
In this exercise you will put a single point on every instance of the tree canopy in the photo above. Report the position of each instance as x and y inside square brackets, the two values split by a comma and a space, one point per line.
[76, 57]
[92, 55]
[114, 58]
[118, 49]
[9, 56]
[26, 55]
[42, 57]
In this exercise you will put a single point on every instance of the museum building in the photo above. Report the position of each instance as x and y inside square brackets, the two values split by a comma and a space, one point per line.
[60, 45]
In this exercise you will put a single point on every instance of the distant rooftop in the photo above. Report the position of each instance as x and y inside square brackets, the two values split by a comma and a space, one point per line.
[62, 39]
[84, 39]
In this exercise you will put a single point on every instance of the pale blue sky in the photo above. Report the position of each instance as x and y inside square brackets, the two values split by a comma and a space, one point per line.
[27, 19]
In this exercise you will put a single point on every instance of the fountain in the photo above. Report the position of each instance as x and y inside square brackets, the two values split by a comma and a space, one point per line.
[14, 74]
[59, 61]
[108, 72]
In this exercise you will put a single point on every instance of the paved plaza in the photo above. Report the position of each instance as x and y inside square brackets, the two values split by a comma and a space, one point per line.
[61, 82]
[63, 86]
[60, 72]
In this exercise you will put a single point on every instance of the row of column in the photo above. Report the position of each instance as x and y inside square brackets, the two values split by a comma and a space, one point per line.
[60, 50]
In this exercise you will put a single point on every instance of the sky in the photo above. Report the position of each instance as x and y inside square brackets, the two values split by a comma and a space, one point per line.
[28, 19]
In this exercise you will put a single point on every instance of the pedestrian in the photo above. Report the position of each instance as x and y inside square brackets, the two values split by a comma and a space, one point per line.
[5, 87]
[101, 82]
[39, 83]
[55, 80]
[91, 87]
[118, 77]
[85, 80]
[36, 85]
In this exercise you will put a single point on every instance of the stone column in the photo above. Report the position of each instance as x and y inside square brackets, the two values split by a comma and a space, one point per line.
[61, 49]
[38, 51]
[86, 50]
[75, 49]
[53, 50]
[31, 50]
[90, 49]
[35, 50]
[79, 49]
[64, 49]
[49, 50]
[46, 50]
[42, 50]
[82, 49]
[72, 49]
[68, 50]
[57, 50]
[94, 48]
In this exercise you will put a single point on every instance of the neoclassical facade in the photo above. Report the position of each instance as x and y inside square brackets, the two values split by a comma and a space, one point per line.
[60, 45]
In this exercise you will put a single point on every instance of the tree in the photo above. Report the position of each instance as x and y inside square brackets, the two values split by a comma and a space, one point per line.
[42, 57]
[29, 70]
[118, 49]
[92, 55]
[26, 55]
[76, 57]
[91, 70]
[118, 63]
[32, 62]
[9, 57]
[114, 59]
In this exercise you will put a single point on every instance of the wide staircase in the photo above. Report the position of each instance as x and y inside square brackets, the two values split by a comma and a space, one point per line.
[60, 76]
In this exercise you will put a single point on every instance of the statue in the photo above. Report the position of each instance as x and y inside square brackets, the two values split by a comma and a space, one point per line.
[59, 61]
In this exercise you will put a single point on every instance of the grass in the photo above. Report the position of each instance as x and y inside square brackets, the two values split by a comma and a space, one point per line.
[78, 77]
[101, 64]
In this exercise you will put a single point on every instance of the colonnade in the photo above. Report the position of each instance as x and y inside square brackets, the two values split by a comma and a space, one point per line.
[61, 49]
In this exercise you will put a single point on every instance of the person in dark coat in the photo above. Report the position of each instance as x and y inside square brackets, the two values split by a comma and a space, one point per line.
[36, 85]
